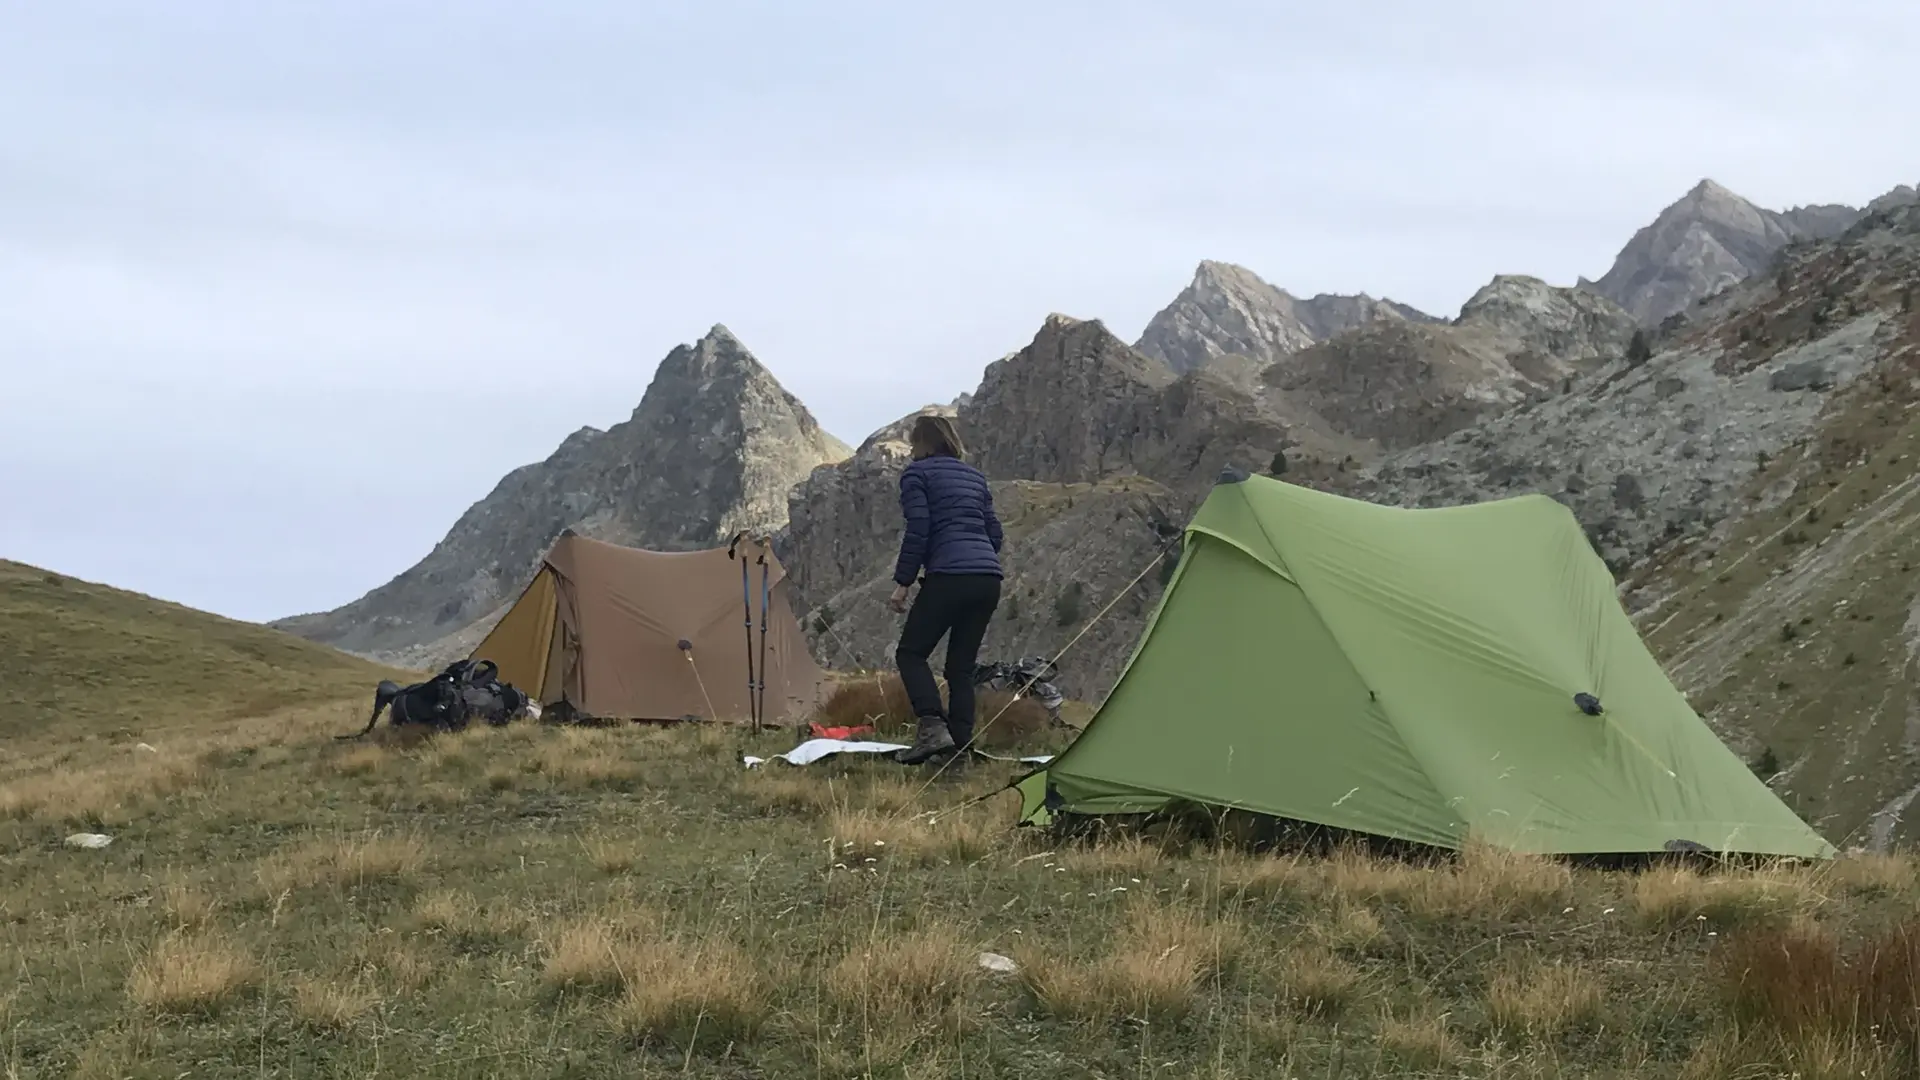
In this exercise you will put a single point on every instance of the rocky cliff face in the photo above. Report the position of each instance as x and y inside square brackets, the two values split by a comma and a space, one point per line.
[713, 448]
[1077, 406]
[1754, 480]
[1396, 383]
[1228, 310]
[1708, 240]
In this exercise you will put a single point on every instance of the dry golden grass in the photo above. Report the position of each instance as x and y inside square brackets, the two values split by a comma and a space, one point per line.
[1347, 928]
[876, 700]
[343, 862]
[191, 972]
[108, 795]
[187, 905]
[1481, 882]
[862, 835]
[464, 919]
[1800, 987]
[905, 980]
[586, 757]
[1247, 876]
[402, 966]
[1421, 1040]
[586, 954]
[1544, 1000]
[324, 1005]
[1672, 897]
[1728, 1055]
[787, 792]
[359, 760]
[688, 994]
[1867, 874]
[1153, 970]
[811, 792]
[1120, 857]
[1317, 981]
[613, 854]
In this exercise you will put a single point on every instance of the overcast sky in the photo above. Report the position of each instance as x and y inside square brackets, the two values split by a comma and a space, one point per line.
[285, 286]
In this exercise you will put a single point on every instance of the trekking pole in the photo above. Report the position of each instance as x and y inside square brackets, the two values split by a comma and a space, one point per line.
[760, 704]
[746, 608]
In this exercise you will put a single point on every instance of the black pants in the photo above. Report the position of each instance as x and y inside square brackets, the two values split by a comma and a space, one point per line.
[957, 607]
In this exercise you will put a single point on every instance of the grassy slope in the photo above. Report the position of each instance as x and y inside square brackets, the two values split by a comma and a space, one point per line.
[1795, 631]
[87, 658]
[538, 902]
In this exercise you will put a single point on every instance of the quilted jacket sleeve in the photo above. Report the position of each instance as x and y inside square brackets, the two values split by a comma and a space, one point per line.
[913, 542]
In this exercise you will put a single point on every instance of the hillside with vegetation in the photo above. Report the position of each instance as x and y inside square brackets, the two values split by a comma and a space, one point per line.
[86, 659]
[532, 901]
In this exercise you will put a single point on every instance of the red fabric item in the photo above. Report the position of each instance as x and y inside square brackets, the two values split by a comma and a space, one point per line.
[820, 732]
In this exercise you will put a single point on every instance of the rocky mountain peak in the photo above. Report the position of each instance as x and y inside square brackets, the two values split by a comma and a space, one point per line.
[1052, 410]
[713, 447]
[1706, 240]
[1901, 195]
[1228, 310]
[1569, 330]
[1395, 383]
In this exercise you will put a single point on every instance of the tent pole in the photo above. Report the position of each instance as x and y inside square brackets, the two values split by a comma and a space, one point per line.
[746, 609]
[760, 703]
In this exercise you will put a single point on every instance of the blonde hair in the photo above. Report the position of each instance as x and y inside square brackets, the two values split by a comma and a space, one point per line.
[934, 435]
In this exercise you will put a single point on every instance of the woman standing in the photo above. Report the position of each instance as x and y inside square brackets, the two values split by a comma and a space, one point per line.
[953, 537]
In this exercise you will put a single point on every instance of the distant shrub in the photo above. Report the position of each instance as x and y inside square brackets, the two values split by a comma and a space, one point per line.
[1639, 351]
[1067, 608]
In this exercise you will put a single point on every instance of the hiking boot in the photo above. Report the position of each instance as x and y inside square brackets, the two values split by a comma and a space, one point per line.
[931, 738]
[954, 764]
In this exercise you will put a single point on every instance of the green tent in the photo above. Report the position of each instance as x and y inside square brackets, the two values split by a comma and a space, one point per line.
[1426, 675]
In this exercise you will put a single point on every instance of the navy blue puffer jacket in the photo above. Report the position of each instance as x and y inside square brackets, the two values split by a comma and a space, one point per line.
[951, 526]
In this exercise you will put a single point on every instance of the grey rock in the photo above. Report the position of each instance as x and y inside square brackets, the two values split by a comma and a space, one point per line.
[1805, 375]
[1396, 384]
[1228, 310]
[1708, 240]
[1078, 406]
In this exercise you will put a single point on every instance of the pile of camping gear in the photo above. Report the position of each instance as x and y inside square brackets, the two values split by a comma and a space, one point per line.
[467, 690]
[1030, 676]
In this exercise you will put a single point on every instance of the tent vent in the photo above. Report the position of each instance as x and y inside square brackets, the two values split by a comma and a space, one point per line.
[1588, 704]
[685, 645]
[1232, 474]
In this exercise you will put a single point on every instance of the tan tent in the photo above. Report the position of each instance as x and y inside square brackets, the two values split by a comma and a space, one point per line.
[619, 633]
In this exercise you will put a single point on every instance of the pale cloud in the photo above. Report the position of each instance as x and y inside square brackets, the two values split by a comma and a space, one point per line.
[245, 249]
